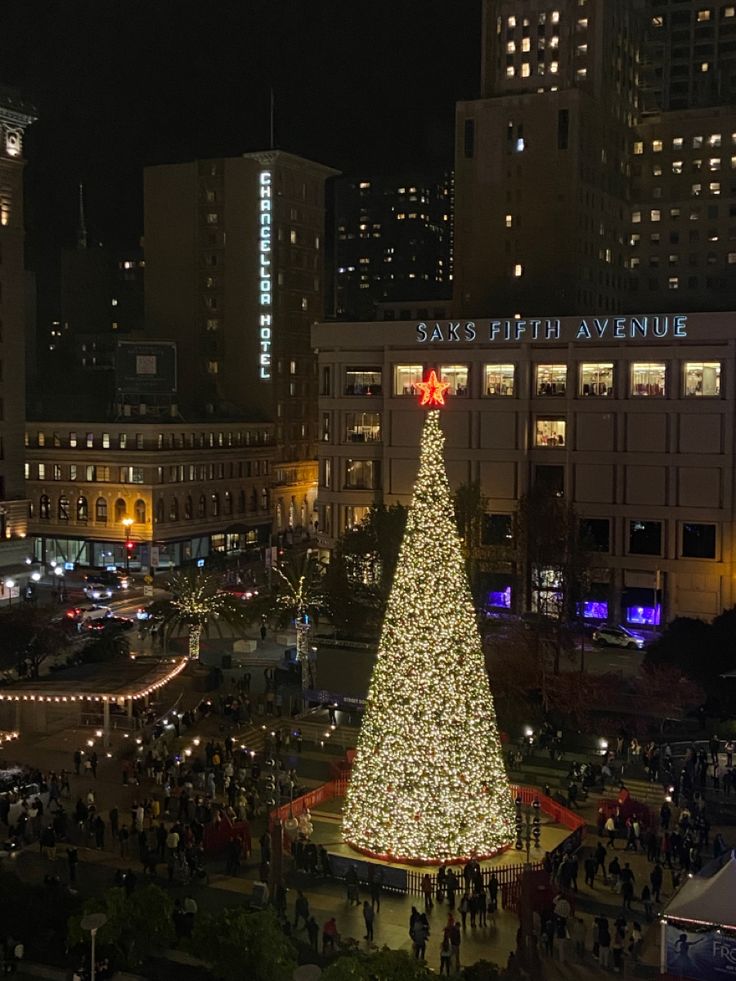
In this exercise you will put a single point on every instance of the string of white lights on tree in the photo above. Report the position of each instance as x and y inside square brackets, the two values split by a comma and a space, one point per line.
[428, 783]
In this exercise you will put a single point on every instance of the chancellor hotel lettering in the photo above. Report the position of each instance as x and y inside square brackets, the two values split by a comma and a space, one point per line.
[591, 329]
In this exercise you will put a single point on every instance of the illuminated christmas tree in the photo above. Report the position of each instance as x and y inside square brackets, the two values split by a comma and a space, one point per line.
[429, 783]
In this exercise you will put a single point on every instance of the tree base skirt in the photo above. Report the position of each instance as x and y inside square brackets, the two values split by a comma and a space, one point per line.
[399, 860]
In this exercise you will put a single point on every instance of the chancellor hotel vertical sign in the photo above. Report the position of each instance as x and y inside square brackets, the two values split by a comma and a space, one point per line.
[265, 274]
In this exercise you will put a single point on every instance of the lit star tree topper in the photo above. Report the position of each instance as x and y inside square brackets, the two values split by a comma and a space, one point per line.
[428, 782]
[433, 390]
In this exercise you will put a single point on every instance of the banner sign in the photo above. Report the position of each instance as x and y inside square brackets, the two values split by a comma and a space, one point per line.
[705, 956]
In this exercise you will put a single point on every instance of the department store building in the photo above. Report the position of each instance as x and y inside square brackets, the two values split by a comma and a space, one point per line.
[631, 419]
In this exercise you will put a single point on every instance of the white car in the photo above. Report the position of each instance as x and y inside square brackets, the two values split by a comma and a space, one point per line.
[95, 591]
[86, 613]
[619, 636]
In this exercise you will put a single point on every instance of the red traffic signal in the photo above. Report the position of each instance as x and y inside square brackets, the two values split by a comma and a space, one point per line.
[130, 545]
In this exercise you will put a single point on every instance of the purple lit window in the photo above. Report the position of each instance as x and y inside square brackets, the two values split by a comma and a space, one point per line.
[649, 616]
[595, 610]
[502, 599]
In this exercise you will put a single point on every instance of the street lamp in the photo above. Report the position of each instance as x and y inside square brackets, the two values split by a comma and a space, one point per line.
[126, 523]
[93, 922]
[10, 586]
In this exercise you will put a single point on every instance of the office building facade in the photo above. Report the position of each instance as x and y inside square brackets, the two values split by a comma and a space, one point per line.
[177, 492]
[597, 172]
[631, 419]
[393, 242]
[235, 275]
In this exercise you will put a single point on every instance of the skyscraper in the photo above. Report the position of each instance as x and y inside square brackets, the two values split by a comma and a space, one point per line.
[235, 275]
[393, 242]
[594, 173]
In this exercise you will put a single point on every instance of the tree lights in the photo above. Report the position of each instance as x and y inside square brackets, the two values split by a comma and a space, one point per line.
[428, 782]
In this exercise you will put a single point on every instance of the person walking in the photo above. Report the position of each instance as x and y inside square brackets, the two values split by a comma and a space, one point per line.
[455, 940]
[313, 933]
[301, 909]
[493, 892]
[329, 935]
[610, 828]
[369, 915]
[445, 957]
[427, 891]
[419, 936]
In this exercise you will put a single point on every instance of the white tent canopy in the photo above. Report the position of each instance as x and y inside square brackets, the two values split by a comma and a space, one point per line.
[707, 900]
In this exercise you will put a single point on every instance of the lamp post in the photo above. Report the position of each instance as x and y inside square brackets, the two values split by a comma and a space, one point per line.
[93, 922]
[126, 523]
[10, 586]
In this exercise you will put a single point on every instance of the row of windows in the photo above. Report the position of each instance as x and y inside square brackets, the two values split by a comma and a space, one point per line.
[700, 379]
[81, 510]
[680, 143]
[149, 441]
[207, 506]
[174, 474]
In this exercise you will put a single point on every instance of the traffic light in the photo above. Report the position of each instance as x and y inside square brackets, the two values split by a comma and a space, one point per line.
[129, 546]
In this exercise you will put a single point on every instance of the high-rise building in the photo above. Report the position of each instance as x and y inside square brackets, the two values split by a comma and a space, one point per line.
[692, 54]
[596, 172]
[235, 275]
[541, 178]
[393, 242]
[15, 116]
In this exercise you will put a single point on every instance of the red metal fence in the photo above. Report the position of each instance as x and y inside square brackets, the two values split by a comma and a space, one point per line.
[509, 876]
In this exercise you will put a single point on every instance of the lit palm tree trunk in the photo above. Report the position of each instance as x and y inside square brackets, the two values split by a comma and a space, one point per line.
[195, 633]
[303, 652]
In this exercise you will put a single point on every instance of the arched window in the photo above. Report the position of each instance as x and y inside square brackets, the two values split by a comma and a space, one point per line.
[228, 503]
[241, 502]
[264, 499]
[202, 509]
[82, 509]
[140, 512]
[215, 505]
[63, 508]
[188, 507]
[119, 510]
[44, 507]
[101, 511]
[160, 510]
[174, 510]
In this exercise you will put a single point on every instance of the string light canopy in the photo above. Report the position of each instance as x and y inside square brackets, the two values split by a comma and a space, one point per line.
[428, 784]
[42, 695]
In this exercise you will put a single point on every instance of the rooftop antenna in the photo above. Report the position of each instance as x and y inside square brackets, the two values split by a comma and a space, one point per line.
[82, 228]
[272, 120]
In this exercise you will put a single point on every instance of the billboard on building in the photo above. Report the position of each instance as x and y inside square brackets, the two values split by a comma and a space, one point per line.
[145, 367]
[703, 956]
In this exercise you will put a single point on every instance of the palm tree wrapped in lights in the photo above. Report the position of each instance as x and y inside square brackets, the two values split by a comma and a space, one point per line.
[299, 591]
[197, 602]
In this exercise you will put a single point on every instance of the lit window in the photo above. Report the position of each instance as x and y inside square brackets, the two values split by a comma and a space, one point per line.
[525, 70]
[636, 217]
[551, 379]
[677, 166]
[457, 376]
[518, 270]
[697, 142]
[511, 21]
[509, 221]
[292, 236]
[655, 214]
[406, 378]
[702, 379]
[656, 146]
[499, 379]
[213, 367]
[678, 143]
[511, 47]
[510, 71]
[673, 283]
[648, 379]
[596, 379]
[714, 139]
[554, 67]
[549, 432]
[714, 187]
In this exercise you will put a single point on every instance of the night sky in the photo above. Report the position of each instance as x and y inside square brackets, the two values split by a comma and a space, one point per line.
[361, 86]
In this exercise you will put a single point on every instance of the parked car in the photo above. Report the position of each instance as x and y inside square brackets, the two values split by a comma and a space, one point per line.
[619, 636]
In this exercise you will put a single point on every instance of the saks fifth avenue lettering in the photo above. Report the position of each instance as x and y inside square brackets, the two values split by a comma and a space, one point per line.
[595, 329]
[265, 275]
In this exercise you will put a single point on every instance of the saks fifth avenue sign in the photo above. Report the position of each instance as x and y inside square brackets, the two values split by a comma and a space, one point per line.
[654, 328]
